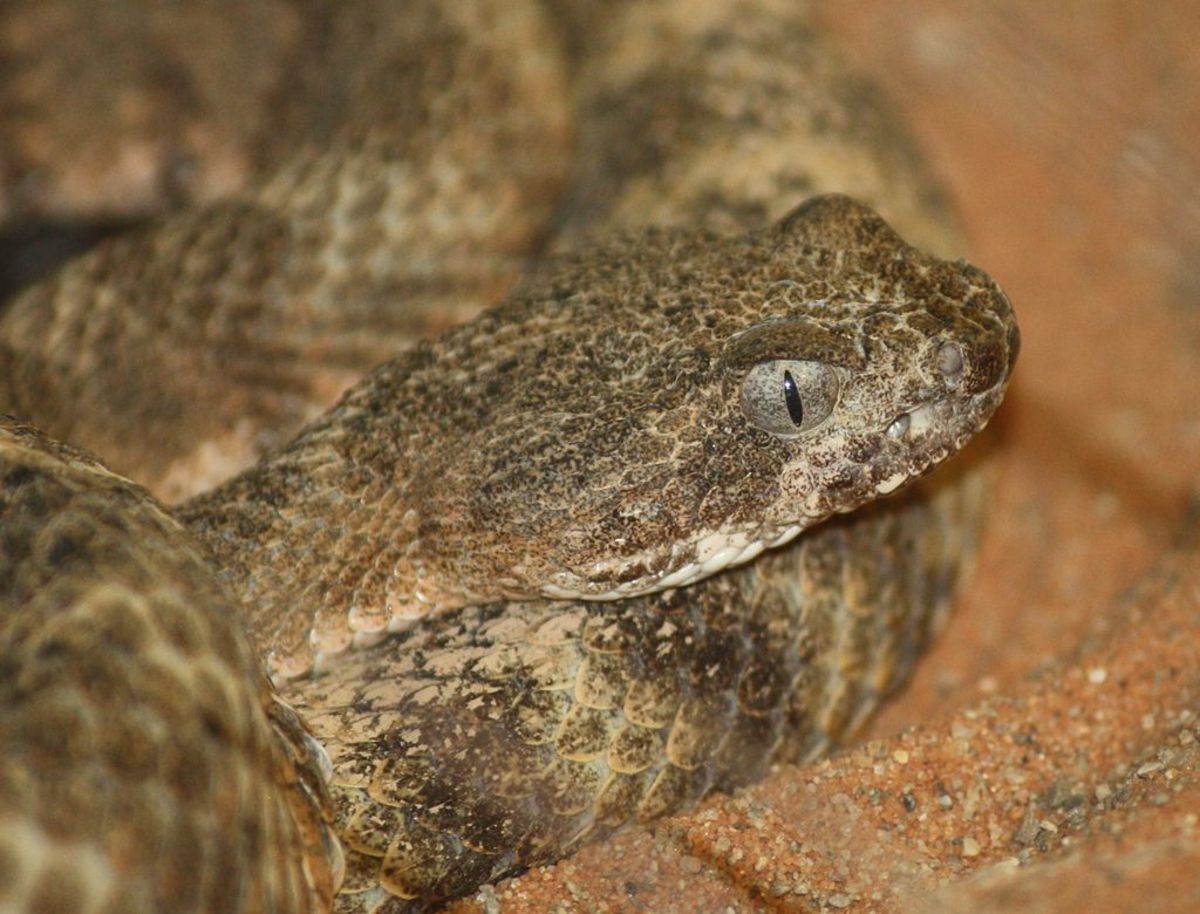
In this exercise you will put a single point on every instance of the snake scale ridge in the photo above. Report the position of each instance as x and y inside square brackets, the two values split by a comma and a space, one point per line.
[542, 576]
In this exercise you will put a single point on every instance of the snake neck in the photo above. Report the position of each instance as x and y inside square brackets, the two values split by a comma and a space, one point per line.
[290, 537]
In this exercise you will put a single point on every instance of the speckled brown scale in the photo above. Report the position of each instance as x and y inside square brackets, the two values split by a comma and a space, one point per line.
[540, 530]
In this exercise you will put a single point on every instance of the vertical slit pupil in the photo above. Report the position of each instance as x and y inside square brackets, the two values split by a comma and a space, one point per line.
[791, 396]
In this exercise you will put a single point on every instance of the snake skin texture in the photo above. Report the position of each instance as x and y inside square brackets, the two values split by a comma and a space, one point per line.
[147, 765]
[614, 543]
[552, 726]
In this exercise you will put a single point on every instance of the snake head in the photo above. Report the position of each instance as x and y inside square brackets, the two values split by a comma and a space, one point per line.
[667, 405]
[863, 387]
[637, 417]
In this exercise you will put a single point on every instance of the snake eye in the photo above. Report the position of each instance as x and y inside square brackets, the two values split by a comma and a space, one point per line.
[787, 397]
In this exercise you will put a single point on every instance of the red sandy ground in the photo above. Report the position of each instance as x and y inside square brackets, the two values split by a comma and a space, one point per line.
[1047, 756]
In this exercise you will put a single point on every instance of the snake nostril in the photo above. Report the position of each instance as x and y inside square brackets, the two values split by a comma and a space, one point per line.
[950, 363]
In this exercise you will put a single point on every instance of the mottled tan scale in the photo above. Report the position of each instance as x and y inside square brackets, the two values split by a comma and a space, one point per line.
[671, 790]
[634, 749]
[538, 716]
[652, 703]
[415, 862]
[601, 680]
[505, 630]
[396, 781]
[760, 687]
[371, 829]
[583, 734]
[362, 875]
[620, 794]
[553, 668]
[693, 736]
[569, 785]
[560, 628]
[510, 780]
[608, 636]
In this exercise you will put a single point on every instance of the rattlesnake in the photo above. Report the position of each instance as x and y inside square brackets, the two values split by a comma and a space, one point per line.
[557, 509]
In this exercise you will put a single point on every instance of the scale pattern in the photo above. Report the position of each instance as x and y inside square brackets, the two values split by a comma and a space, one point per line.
[147, 765]
[505, 736]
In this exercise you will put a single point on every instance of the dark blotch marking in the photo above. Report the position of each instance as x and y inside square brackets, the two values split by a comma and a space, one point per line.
[64, 549]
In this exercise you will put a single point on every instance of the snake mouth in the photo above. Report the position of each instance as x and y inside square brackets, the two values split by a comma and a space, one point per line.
[681, 564]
